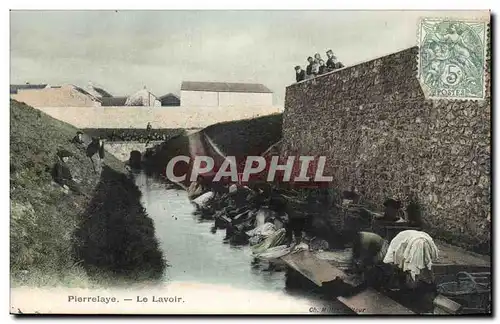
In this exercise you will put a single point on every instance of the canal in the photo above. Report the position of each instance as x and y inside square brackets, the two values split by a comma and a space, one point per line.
[196, 254]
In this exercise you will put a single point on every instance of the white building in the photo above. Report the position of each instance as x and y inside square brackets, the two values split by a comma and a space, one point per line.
[221, 94]
[143, 98]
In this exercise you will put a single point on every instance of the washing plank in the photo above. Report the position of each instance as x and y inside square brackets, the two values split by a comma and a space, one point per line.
[371, 302]
[315, 269]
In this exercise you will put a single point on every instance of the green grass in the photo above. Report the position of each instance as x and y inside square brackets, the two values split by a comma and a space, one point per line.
[51, 228]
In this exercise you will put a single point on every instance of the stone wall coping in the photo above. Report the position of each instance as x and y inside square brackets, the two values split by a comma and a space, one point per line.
[354, 65]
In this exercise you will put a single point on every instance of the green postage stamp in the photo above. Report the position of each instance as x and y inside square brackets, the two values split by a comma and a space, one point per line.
[452, 58]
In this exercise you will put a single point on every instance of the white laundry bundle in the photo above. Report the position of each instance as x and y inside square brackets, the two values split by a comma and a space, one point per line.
[275, 252]
[265, 230]
[275, 239]
[260, 233]
[202, 200]
[412, 251]
[262, 215]
[301, 247]
[254, 240]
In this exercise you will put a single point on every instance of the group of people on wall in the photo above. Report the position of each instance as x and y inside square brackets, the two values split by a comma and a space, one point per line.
[317, 66]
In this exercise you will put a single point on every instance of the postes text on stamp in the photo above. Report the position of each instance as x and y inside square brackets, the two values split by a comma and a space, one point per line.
[452, 58]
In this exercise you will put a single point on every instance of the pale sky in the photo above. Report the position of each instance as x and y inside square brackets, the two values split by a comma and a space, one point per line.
[126, 50]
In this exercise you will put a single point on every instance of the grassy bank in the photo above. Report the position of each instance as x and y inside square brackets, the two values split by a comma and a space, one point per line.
[62, 238]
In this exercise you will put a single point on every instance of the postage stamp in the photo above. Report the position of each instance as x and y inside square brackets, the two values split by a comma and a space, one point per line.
[452, 58]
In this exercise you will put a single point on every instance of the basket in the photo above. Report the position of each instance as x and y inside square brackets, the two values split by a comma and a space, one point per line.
[472, 290]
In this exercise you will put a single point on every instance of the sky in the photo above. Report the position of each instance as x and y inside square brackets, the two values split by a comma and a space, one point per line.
[124, 51]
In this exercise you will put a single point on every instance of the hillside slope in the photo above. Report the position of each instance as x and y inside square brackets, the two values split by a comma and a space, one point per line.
[239, 138]
[60, 237]
[242, 138]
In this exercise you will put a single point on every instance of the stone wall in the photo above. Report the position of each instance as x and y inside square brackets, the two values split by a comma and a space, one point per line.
[121, 150]
[159, 117]
[132, 134]
[381, 135]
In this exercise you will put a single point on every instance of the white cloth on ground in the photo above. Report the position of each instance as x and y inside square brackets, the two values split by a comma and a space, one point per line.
[275, 252]
[202, 200]
[254, 240]
[412, 251]
[301, 247]
[265, 230]
[275, 239]
[194, 190]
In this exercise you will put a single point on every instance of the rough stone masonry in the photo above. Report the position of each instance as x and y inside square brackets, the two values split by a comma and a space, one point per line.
[381, 135]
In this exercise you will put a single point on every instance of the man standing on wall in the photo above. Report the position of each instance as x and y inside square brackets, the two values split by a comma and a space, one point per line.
[322, 67]
[309, 66]
[315, 65]
[300, 74]
[332, 63]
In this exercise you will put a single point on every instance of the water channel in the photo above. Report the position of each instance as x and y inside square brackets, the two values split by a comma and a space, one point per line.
[198, 255]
